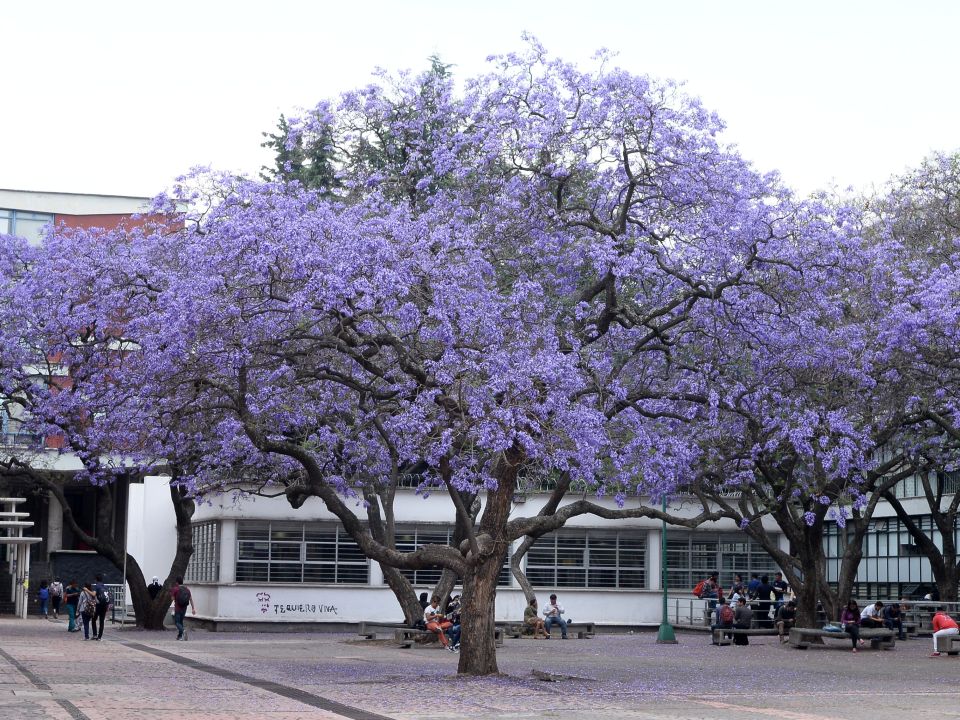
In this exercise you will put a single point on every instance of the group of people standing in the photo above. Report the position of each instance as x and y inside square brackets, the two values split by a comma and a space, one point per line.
[86, 604]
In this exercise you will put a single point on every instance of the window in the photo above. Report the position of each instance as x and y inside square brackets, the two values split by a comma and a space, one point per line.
[912, 486]
[891, 565]
[292, 552]
[594, 560]
[28, 225]
[410, 539]
[693, 556]
[205, 562]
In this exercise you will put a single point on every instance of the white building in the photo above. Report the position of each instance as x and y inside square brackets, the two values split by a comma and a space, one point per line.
[259, 561]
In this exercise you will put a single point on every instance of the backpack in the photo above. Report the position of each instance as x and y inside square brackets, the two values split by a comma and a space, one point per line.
[56, 589]
[103, 597]
[726, 614]
[698, 588]
[182, 597]
[89, 608]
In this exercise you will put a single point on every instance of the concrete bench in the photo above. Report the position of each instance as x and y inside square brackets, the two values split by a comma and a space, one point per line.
[369, 629]
[582, 630]
[801, 638]
[722, 636]
[411, 637]
[949, 644]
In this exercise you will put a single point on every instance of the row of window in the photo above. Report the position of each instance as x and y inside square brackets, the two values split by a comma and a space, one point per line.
[296, 552]
[891, 565]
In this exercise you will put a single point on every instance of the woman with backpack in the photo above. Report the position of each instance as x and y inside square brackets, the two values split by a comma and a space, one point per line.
[87, 608]
[56, 597]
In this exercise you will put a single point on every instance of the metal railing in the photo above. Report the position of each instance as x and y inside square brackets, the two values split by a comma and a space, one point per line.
[119, 606]
[693, 611]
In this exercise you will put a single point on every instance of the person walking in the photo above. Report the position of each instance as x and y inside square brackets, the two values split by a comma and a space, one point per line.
[43, 597]
[72, 598]
[87, 607]
[102, 597]
[56, 597]
[553, 615]
[182, 597]
[850, 620]
[943, 625]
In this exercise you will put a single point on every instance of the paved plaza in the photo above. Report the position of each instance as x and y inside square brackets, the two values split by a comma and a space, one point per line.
[47, 673]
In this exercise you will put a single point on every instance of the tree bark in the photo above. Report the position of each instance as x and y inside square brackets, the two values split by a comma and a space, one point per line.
[478, 654]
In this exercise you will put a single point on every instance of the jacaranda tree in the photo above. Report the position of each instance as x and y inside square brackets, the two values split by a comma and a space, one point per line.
[502, 282]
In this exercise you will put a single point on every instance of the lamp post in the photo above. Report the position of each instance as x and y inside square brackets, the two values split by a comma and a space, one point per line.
[665, 634]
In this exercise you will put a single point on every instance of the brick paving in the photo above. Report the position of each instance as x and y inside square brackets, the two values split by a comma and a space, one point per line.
[46, 673]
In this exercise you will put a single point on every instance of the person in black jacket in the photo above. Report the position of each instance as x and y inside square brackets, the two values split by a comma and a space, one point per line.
[154, 588]
[765, 598]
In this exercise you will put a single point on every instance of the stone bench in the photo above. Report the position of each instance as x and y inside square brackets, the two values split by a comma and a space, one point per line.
[369, 629]
[582, 630]
[949, 644]
[801, 638]
[411, 637]
[723, 636]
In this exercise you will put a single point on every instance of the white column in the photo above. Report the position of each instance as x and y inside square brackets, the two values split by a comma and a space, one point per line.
[54, 525]
[228, 552]
[653, 559]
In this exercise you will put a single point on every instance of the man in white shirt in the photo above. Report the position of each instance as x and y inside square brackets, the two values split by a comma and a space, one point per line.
[872, 616]
[552, 616]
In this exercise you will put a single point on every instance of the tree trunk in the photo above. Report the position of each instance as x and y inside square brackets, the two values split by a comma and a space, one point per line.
[478, 650]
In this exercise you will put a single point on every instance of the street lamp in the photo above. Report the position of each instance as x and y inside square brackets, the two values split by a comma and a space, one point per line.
[665, 634]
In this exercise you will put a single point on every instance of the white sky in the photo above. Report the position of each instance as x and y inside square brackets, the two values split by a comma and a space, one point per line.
[120, 96]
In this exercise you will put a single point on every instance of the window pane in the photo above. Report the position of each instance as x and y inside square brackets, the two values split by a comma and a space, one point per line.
[287, 552]
[251, 572]
[253, 550]
[286, 572]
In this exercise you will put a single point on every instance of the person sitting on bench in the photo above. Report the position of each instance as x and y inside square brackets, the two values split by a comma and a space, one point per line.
[850, 622]
[435, 622]
[553, 615]
[723, 618]
[531, 618]
[893, 619]
[943, 625]
[872, 616]
[742, 620]
[786, 618]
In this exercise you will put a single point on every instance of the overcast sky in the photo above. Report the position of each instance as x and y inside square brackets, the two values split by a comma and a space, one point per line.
[121, 96]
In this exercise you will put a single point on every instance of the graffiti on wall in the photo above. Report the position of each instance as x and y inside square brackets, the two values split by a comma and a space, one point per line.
[266, 605]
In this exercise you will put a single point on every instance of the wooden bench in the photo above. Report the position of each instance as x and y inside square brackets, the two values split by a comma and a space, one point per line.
[801, 638]
[411, 637]
[369, 629]
[721, 636]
